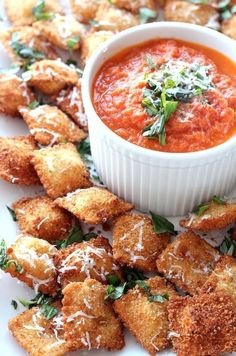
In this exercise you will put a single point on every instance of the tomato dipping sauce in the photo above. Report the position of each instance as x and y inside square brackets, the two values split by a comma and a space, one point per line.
[168, 95]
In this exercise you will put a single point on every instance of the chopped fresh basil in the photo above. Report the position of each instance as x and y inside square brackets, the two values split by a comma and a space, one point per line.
[49, 311]
[39, 12]
[144, 286]
[132, 274]
[228, 246]
[113, 292]
[84, 150]
[41, 300]
[72, 42]
[14, 304]
[158, 298]
[89, 236]
[5, 262]
[218, 200]
[113, 280]
[162, 225]
[12, 212]
[75, 235]
[226, 10]
[146, 14]
[201, 209]
[33, 105]
[150, 62]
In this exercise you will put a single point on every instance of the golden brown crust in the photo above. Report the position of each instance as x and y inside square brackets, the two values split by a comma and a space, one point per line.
[188, 261]
[13, 93]
[15, 157]
[41, 218]
[203, 325]
[146, 320]
[35, 256]
[94, 205]
[50, 76]
[92, 259]
[21, 12]
[92, 41]
[85, 11]
[89, 320]
[49, 125]
[228, 27]
[135, 5]
[136, 244]
[37, 335]
[28, 36]
[60, 169]
[217, 216]
[60, 30]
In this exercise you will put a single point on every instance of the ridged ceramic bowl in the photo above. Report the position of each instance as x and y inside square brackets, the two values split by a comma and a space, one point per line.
[169, 184]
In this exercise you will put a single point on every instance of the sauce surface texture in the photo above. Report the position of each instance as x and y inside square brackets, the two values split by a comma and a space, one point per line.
[205, 120]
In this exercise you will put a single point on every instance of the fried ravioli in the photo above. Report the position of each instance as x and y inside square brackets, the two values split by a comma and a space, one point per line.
[187, 262]
[92, 259]
[92, 41]
[13, 93]
[89, 320]
[60, 169]
[136, 244]
[228, 27]
[49, 125]
[85, 11]
[37, 335]
[217, 216]
[134, 5]
[61, 29]
[50, 76]
[202, 325]
[147, 320]
[94, 205]
[15, 160]
[41, 218]
[34, 259]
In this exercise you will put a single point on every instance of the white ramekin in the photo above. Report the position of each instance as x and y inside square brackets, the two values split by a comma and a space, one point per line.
[169, 184]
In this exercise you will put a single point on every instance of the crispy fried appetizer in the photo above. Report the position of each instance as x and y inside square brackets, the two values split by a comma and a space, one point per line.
[25, 45]
[41, 218]
[134, 5]
[147, 319]
[199, 14]
[92, 41]
[70, 101]
[203, 325]
[228, 27]
[136, 244]
[50, 77]
[89, 320]
[49, 125]
[188, 261]
[223, 278]
[15, 160]
[21, 12]
[60, 30]
[60, 169]
[13, 93]
[94, 205]
[32, 263]
[38, 335]
[110, 18]
[85, 11]
[92, 259]
[216, 216]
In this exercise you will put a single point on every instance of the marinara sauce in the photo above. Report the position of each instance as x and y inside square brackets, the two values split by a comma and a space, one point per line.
[205, 121]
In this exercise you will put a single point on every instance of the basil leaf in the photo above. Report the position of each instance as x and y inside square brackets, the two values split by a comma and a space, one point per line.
[146, 14]
[49, 311]
[162, 225]
[14, 304]
[150, 62]
[201, 209]
[143, 286]
[113, 280]
[89, 236]
[41, 300]
[115, 292]
[75, 235]
[5, 262]
[39, 12]
[72, 42]
[218, 200]
[33, 105]
[158, 298]
[12, 212]
[84, 150]
[228, 246]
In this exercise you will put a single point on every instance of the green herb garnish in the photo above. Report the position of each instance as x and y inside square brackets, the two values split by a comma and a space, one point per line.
[114, 293]
[218, 200]
[150, 62]
[5, 262]
[89, 236]
[75, 235]
[228, 246]
[39, 12]
[41, 300]
[84, 150]
[162, 225]
[12, 212]
[226, 10]
[14, 304]
[33, 105]
[200, 210]
[72, 42]
[113, 280]
[146, 14]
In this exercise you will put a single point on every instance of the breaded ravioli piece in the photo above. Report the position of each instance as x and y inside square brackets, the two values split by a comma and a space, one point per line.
[216, 216]
[61, 29]
[70, 101]
[85, 11]
[13, 93]
[49, 125]
[202, 325]
[186, 11]
[110, 18]
[93, 41]
[228, 27]
[147, 320]
[41, 218]
[21, 12]
[94, 205]
[60, 169]
[15, 160]
[134, 5]
[88, 259]
[37, 335]
[223, 278]
[50, 76]
[31, 40]
[135, 242]
[188, 262]
[89, 320]
[35, 258]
